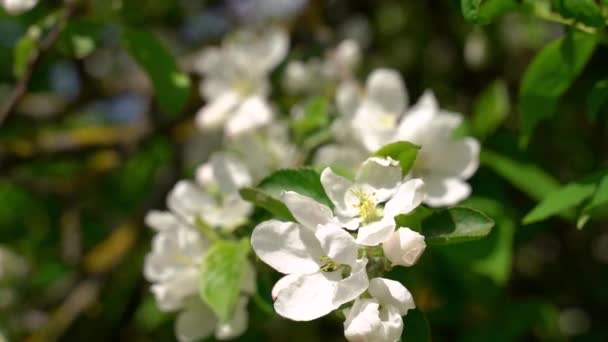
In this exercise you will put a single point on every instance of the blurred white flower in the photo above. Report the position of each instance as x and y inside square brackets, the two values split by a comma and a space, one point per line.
[379, 117]
[15, 7]
[358, 205]
[379, 319]
[320, 261]
[404, 247]
[235, 87]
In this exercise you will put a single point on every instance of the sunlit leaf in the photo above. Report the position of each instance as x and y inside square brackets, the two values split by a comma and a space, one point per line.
[455, 225]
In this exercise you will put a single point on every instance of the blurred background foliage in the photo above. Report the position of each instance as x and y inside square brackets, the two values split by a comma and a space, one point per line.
[105, 127]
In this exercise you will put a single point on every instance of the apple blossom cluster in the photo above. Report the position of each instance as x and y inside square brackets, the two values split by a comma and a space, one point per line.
[333, 254]
[334, 257]
[16, 7]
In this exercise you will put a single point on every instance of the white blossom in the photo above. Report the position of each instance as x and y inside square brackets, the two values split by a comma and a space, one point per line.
[358, 204]
[18, 6]
[235, 82]
[320, 261]
[379, 319]
[404, 247]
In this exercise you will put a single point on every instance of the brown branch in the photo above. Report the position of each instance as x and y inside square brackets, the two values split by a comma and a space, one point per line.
[45, 45]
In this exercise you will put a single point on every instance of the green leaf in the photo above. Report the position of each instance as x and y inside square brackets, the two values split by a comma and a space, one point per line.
[316, 115]
[556, 202]
[596, 99]
[24, 49]
[171, 85]
[600, 197]
[484, 11]
[528, 178]
[403, 151]
[306, 182]
[549, 75]
[584, 11]
[80, 38]
[455, 225]
[261, 199]
[416, 327]
[221, 273]
[491, 109]
[414, 219]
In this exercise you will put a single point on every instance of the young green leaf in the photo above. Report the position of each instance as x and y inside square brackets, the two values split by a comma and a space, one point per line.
[455, 225]
[584, 11]
[528, 178]
[261, 199]
[171, 85]
[221, 273]
[549, 75]
[403, 151]
[306, 182]
[414, 219]
[315, 116]
[24, 49]
[491, 109]
[482, 12]
[565, 198]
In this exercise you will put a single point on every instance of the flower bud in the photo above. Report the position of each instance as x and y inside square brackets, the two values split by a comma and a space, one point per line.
[404, 247]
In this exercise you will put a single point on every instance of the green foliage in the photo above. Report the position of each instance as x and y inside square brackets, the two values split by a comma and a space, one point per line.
[549, 75]
[416, 327]
[24, 49]
[315, 116]
[596, 99]
[80, 38]
[403, 151]
[565, 198]
[491, 109]
[455, 225]
[267, 202]
[584, 11]
[527, 177]
[172, 86]
[484, 11]
[221, 274]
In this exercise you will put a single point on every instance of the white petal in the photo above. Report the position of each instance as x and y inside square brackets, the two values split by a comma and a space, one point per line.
[230, 173]
[237, 325]
[308, 297]
[404, 247]
[373, 126]
[385, 88]
[417, 120]
[196, 322]
[363, 322]
[307, 211]
[337, 243]
[267, 48]
[253, 113]
[352, 286]
[445, 191]
[16, 7]
[347, 54]
[161, 220]
[170, 295]
[188, 200]
[392, 293]
[408, 197]
[336, 187]
[348, 96]
[283, 283]
[215, 113]
[376, 233]
[205, 177]
[383, 175]
[453, 158]
[287, 247]
[392, 324]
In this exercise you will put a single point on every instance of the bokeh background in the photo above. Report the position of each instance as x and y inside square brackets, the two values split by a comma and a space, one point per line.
[89, 148]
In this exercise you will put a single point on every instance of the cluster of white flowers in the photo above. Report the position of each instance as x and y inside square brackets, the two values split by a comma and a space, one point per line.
[173, 264]
[377, 114]
[328, 256]
[18, 6]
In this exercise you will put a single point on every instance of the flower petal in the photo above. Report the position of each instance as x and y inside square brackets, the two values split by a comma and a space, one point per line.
[445, 191]
[352, 286]
[386, 88]
[392, 324]
[308, 297]
[363, 321]
[237, 325]
[196, 322]
[383, 175]
[409, 196]
[161, 220]
[229, 173]
[453, 158]
[373, 126]
[392, 293]
[287, 247]
[283, 283]
[254, 112]
[418, 119]
[337, 243]
[348, 96]
[215, 113]
[268, 47]
[337, 155]
[170, 295]
[404, 247]
[307, 211]
[376, 233]
[336, 187]
[188, 200]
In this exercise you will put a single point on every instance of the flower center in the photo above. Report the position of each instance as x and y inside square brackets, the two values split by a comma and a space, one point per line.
[388, 120]
[330, 264]
[368, 212]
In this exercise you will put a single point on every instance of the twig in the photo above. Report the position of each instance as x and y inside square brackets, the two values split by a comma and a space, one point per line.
[45, 45]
